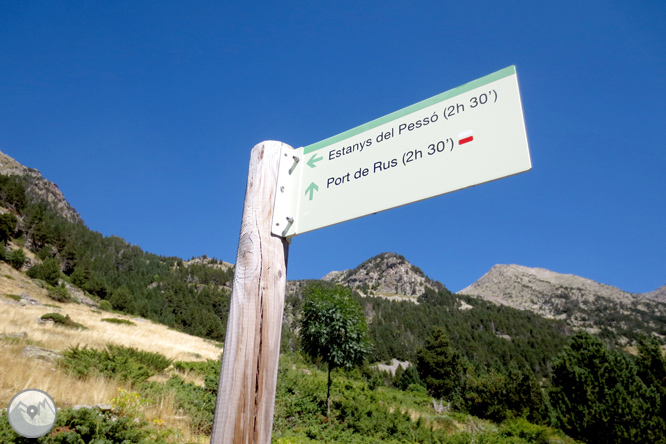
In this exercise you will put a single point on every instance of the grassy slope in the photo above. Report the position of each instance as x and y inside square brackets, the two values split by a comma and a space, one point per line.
[18, 372]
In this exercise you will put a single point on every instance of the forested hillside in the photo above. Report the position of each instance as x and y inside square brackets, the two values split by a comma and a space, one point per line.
[193, 297]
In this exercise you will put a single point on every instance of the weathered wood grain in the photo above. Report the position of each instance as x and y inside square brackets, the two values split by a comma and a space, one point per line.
[246, 393]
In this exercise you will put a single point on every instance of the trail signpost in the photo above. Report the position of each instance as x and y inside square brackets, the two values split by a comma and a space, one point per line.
[470, 135]
[466, 136]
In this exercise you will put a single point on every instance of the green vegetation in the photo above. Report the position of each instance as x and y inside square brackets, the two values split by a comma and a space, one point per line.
[14, 296]
[114, 362]
[198, 403]
[118, 321]
[48, 271]
[439, 365]
[16, 258]
[59, 294]
[333, 328]
[360, 414]
[598, 396]
[7, 226]
[92, 426]
[63, 321]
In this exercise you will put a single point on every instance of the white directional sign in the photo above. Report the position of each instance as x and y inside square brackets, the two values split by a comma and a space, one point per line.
[464, 137]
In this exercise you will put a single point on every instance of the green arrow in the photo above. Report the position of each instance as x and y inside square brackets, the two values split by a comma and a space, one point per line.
[311, 189]
[313, 160]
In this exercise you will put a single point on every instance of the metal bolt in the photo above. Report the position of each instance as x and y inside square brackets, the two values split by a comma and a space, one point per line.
[290, 219]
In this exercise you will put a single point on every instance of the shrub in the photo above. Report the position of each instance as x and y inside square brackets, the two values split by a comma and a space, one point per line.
[64, 321]
[90, 426]
[116, 362]
[128, 404]
[531, 433]
[105, 305]
[118, 321]
[48, 271]
[122, 300]
[59, 294]
[198, 403]
[209, 367]
[16, 258]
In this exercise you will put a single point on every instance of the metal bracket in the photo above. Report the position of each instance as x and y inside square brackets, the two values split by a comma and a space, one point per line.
[285, 206]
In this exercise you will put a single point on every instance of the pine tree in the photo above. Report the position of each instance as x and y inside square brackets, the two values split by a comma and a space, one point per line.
[651, 366]
[598, 397]
[7, 226]
[122, 300]
[439, 365]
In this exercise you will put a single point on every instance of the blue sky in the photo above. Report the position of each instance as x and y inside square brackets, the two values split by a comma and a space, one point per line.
[144, 114]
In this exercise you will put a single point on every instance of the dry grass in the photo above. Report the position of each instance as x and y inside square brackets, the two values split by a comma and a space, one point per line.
[145, 335]
[18, 373]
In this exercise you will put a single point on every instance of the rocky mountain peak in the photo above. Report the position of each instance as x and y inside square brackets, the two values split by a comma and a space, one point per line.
[385, 275]
[581, 302]
[525, 287]
[38, 188]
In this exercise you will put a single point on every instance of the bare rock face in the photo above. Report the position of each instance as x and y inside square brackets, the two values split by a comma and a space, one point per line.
[658, 295]
[385, 275]
[528, 288]
[581, 302]
[80, 296]
[39, 188]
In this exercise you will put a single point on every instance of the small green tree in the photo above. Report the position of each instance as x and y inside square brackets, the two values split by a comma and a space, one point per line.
[16, 258]
[7, 226]
[439, 365]
[333, 328]
[408, 378]
[48, 271]
[122, 300]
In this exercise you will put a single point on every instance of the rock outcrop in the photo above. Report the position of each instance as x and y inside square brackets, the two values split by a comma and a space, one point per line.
[385, 275]
[39, 188]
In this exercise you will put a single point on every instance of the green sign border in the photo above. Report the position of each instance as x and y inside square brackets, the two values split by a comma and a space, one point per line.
[506, 72]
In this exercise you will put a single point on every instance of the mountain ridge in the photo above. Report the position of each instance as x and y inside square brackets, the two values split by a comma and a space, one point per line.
[582, 302]
[40, 188]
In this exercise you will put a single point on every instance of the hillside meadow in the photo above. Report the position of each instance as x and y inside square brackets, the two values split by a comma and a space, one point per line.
[19, 328]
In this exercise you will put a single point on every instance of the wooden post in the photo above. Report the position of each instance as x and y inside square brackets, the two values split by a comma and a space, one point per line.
[246, 392]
